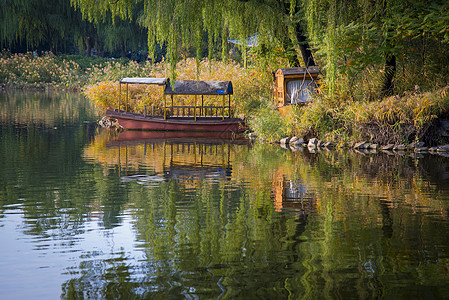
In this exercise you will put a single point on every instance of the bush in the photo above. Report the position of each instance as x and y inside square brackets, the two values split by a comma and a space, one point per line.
[249, 85]
[27, 70]
[269, 124]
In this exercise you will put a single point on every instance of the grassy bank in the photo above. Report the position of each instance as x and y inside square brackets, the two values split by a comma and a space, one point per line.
[396, 119]
[354, 111]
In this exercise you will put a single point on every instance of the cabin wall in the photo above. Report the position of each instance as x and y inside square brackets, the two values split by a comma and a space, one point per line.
[279, 89]
[280, 86]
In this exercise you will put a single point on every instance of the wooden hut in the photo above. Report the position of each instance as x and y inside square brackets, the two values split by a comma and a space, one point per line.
[294, 85]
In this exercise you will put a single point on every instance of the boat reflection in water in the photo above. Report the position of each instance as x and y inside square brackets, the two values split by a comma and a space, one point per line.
[149, 157]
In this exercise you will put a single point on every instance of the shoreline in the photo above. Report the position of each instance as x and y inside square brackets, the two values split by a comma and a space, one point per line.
[315, 145]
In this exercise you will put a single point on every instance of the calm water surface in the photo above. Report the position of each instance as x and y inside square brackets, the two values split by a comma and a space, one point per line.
[87, 213]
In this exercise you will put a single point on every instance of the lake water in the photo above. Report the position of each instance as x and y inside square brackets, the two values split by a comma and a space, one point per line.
[88, 213]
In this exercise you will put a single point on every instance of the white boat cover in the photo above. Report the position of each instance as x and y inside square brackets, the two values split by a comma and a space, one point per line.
[144, 80]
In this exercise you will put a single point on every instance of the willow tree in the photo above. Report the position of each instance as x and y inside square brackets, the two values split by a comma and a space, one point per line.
[351, 36]
[34, 22]
[178, 23]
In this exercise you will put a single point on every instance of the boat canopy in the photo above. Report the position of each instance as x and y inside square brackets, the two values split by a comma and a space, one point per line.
[193, 87]
[185, 87]
[144, 80]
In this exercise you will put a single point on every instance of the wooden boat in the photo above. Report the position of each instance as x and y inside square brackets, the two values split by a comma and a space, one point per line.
[182, 118]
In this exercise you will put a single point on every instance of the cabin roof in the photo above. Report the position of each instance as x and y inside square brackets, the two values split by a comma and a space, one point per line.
[144, 80]
[298, 71]
[193, 87]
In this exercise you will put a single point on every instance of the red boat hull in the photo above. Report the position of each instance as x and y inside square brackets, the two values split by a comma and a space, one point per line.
[140, 122]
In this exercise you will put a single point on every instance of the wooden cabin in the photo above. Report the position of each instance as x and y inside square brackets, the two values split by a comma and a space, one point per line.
[294, 85]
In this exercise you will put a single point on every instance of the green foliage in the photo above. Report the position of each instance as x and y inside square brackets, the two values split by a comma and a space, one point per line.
[27, 70]
[32, 22]
[179, 24]
[353, 38]
[317, 119]
[268, 123]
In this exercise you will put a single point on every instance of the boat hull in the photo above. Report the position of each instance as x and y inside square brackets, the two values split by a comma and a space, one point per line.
[135, 121]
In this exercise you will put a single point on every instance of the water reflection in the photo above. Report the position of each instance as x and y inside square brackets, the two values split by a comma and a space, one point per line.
[306, 219]
[158, 156]
[43, 108]
[145, 215]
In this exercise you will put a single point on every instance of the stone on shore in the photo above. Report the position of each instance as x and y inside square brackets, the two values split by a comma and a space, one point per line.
[388, 147]
[313, 143]
[399, 147]
[360, 145]
[443, 148]
[420, 149]
[415, 145]
[284, 141]
[295, 141]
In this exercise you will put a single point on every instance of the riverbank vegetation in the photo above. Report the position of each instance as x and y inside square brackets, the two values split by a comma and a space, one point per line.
[384, 66]
[402, 118]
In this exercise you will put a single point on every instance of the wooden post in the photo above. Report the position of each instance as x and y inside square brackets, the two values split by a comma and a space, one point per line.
[202, 105]
[126, 107]
[223, 106]
[119, 94]
[172, 105]
[194, 109]
[165, 108]
[229, 105]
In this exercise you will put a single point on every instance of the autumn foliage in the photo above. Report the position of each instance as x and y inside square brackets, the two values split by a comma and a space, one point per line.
[248, 84]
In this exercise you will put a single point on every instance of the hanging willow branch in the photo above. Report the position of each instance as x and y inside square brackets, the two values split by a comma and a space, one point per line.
[182, 22]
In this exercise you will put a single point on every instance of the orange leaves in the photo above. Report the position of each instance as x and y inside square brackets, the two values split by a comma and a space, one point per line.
[248, 84]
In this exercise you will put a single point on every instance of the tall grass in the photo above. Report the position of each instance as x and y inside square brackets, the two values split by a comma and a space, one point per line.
[27, 70]
[396, 119]
[355, 110]
[250, 86]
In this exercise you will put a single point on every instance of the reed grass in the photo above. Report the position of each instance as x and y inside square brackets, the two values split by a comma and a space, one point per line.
[354, 111]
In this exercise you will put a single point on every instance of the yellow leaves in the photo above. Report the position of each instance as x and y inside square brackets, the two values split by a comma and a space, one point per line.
[416, 109]
[247, 84]
[38, 71]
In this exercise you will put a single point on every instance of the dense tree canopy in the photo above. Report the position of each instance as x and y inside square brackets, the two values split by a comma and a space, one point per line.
[347, 38]
[34, 22]
[56, 26]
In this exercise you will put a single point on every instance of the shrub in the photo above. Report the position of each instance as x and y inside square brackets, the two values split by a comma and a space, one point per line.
[27, 70]
[268, 123]
[250, 85]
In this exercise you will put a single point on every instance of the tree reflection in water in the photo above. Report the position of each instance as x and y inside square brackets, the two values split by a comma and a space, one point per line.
[258, 221]
[210, 218]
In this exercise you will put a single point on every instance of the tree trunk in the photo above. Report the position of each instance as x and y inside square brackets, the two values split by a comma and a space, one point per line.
[304, 46]
[301, 39]
[89, 46]
[390, 72]
[52, 48]
[122, 46]
[48, 38]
